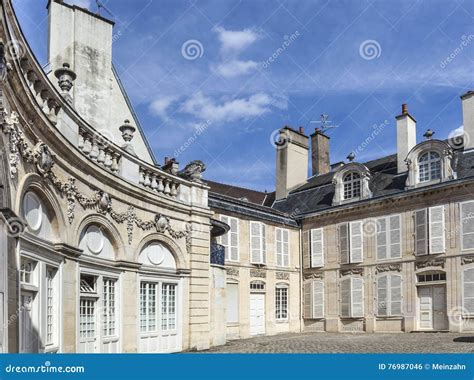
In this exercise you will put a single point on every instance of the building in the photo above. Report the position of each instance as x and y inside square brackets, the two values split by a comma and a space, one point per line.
[102, 249]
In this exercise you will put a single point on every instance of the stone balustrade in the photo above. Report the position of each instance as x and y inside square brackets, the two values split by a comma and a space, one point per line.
[159, 181]
[99, 150]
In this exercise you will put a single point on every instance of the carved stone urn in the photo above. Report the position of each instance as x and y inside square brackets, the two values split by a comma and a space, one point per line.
[66, 78]
[128, 131]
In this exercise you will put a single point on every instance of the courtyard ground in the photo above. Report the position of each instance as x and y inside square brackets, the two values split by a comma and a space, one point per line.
[352, 343]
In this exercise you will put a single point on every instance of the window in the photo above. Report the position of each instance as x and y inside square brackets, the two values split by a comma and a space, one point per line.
[351, 242]
[467, 225]
[109, 307]
[168, 307]
[317, 247]
[51, 305]
[388, 237]
[432, 277]
[352, 185]
[429, 231]
[281, 296]
[231, 239]
[314, 299]
[468, 291]
[352, 297]
[282, 247]
[147, 306]
[429, 167]
[257, 285]
[257, 243]
[87, 318]
[232, 294]
[27, 271]
[389, 295]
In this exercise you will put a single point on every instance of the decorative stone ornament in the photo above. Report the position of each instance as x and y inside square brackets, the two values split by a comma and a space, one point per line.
[66, 78]
[162, 223]
[438, 262]
[388, 268]
[128, 131]
[44, 158]
[193, 171]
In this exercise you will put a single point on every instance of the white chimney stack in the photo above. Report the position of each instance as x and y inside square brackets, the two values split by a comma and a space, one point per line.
[406, 137]
[468, 119]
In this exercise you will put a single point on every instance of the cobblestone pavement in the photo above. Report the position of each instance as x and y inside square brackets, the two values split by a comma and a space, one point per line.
[347, 343]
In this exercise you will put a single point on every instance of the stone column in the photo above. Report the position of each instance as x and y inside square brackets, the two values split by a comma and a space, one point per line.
[70, 299]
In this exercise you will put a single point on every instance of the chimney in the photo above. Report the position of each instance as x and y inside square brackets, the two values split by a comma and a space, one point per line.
[291, 160]
[320, 153]
[468, 119]
[406, 137]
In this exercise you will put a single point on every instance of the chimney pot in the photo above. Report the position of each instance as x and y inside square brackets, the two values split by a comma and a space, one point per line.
[301, 129]
[404, 109]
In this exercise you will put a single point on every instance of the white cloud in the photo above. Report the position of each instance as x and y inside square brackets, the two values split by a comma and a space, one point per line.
[235, 67]
[235, 41]
[206, 108]
[160, 106]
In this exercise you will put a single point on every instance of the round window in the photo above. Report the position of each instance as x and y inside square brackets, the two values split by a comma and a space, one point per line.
[94, 239]
[155, 254]
[33, 211]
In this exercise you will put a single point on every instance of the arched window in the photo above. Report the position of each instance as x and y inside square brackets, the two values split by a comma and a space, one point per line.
[352, 185]
[429, 165]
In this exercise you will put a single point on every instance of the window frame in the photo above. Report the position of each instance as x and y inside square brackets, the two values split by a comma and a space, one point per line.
[388, 238]
[430, 162]
[282, 313]
[461, 204]
[282, 254]
[311, 242]
[229, 246]
[262, 243]
[352, 183]
[237, 300]
[350, 280]
[465, 311]
[389, 300]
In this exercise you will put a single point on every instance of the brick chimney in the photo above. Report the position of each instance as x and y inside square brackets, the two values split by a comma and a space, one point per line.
[406, 137]
[291, 161]
[468, 119]
[320, 153]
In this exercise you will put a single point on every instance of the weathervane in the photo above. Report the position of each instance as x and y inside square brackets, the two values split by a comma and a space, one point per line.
[100, 5]
[325, 122]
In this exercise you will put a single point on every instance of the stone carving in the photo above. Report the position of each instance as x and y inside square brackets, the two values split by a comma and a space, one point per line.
[128, 130]
[388, 268]
[104, 203]
[193, 171]
[283, 276]
[232, 272]
[467, 260]
[438, 262]
[66, 78]
[260, 273]
[314, 276]
[43, 157]
[352, 271]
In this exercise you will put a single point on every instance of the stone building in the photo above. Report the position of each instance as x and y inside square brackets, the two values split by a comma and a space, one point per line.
[103, 249]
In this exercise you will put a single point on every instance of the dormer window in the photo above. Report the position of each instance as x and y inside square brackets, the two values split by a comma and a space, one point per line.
[352, 186]
[429, 166]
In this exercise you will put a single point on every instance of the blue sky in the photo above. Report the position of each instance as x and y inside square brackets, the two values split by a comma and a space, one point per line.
[206, 64]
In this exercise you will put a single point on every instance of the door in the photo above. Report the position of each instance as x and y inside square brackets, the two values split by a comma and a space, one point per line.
[257, 314]
[87, 325]
[440, 318]
[28, 330]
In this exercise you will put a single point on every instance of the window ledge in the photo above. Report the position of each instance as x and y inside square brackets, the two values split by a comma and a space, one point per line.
[389, 318]
[352, 318]
[281, 321]
[233, 324]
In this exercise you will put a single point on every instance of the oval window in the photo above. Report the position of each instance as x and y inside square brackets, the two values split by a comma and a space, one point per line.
[94, 239]
[33, 211]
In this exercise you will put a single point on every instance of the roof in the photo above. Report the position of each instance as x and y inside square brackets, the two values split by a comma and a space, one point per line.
[252, 196]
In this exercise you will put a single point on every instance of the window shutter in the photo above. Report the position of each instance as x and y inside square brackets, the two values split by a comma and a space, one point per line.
[421, 232]
[467, 225]
[255, 242]
[234, 239]
[224, 239]
[344, 242]
[307, 300]
[286, 248]
[279, 246]
[346, 297]
[436, 228]
[263, 243]
[468, 290]
[395, 294]
[306, 260]
[357, 290]
[382, 295]
[317, 247]
[381, 239]
[395, 236]
[318, 299]
[356, 242]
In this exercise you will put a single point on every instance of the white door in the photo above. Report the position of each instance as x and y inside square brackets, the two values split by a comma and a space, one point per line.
[440, 318]
[426, 307]
[257, 314]
[28, 329]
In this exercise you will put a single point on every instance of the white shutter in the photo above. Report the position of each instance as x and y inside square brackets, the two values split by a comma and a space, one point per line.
[468, 291]
[279, 246]
[307, 300]
[395, 234]
[234, 239]
[317, 247]
[357, 297]
[224, 239]
[256, 242]
[356, 242]
[346, 297]
[263, 243]
[306, 256]
[286, 248]
[467, 225]
[382, 239]
[395, 295]
[436, 227]
[344, 242]
[421, 232]
[382, 295]
[318, 299]
[232, 295]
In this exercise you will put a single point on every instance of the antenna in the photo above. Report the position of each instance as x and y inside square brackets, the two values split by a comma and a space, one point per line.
[324, 120]
[100, 5]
